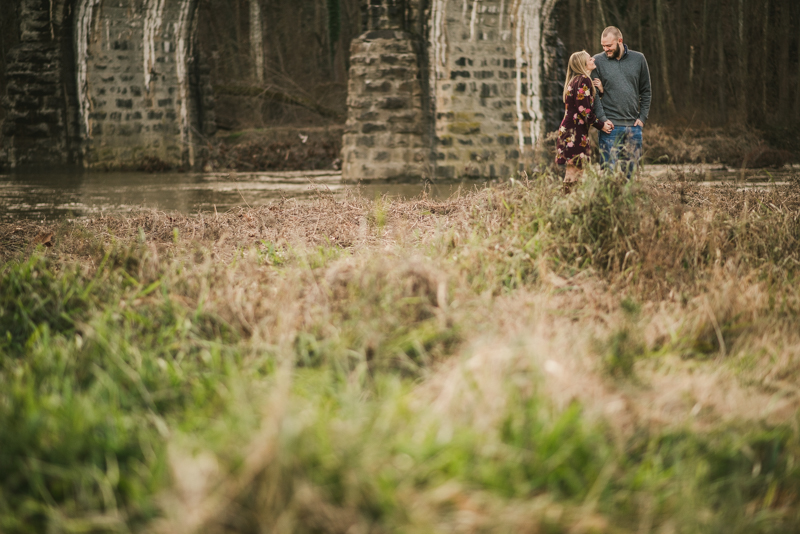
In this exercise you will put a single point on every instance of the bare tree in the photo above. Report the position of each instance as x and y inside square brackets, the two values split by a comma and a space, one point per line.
[764, 54]
[797, 82]
[256, 41]
[670, 102]
[785, 35]
[720, 59]
[741, 96]
[602, 13]
[720, 78]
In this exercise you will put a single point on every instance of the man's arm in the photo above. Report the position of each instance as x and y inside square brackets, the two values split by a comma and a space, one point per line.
[645, 94]
[598, 104]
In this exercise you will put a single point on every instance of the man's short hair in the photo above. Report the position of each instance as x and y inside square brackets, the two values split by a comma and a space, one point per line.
[613, 31]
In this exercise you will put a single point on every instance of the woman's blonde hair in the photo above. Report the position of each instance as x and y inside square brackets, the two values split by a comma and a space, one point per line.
[577, 66]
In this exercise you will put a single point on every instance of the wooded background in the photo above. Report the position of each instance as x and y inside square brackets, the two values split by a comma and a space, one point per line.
[298, 57]
[712, 62]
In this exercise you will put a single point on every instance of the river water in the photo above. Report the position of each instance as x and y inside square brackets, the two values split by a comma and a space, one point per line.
[83, 195]
[54, 195]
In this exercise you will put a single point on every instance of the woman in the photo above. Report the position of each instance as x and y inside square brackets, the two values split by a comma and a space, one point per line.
[572, 145]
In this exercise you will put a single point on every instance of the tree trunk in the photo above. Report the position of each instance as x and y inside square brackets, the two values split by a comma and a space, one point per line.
[602, 14]
[614, 17]
[721, 73]
[237, 24]
[704, 55]
[334, 19]
[256, 42]
[785, 35]
[570, 24]
[640, 44]
[351, 19]
[277, 65]
[670, 102]
[765, 55]
[586, 35]
[597, 24]
[797, 83]
[741, 95]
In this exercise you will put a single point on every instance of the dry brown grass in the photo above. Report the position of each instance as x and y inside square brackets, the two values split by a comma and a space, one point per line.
[661, 307]
[706, 266]
[322, 221]
[731, 147]
[692, 146]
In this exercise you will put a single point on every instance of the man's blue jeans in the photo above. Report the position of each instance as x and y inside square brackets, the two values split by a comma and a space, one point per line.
[622, 149]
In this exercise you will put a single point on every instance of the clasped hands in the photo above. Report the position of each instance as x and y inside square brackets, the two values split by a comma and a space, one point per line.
[608, 127]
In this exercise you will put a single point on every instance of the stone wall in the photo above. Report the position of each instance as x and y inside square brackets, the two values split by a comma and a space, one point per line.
[387, 134]
[483, 63]
[106, 85]
[40, 124]
[134, 82]
[437, 88]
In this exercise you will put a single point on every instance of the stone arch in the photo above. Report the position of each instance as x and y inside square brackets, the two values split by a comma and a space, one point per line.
[488, 64]
[554, 69]
[134, 85]
[484, 90]
[64, 13]
[106, 84]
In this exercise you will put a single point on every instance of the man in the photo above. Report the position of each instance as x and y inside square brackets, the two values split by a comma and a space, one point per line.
[622, 79]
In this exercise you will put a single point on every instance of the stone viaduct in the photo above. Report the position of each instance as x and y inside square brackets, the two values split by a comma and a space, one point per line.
[437, 89]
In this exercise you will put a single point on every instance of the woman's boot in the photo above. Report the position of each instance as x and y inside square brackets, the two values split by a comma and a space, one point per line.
[571, 178]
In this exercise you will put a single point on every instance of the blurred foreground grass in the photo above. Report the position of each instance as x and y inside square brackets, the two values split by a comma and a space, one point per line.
[621, 360]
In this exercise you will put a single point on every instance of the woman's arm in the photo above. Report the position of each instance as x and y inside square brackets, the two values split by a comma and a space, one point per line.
[585, 102]
[569, 101]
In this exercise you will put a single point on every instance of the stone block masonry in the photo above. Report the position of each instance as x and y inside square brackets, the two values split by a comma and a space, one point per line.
[39, 123]
[107, 85]
[134, 84]
[437, 89]
[486, 65]
[485, 106]
[385, 136]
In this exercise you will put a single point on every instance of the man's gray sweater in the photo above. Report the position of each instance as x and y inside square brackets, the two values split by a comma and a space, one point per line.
[626, 88]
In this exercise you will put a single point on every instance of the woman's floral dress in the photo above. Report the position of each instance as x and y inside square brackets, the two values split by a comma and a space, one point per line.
[572, 145]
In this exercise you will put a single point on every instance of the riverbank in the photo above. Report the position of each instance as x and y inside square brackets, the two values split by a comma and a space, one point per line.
[624, 359]
[304, 148]
[276, 149]
[732, 147]
[299, 148]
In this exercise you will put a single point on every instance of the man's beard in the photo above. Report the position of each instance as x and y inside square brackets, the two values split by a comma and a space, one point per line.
[617, 52]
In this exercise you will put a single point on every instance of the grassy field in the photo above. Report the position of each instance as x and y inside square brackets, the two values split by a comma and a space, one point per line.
[624, 359]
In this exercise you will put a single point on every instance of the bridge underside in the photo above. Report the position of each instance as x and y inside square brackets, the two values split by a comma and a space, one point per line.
[459, 94]
[455, 92]
[106, 85]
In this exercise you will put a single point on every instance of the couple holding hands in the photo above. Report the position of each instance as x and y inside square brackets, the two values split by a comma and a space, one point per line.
[610, 91]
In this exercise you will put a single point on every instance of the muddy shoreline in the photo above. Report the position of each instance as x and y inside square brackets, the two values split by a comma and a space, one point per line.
[317, 148]
[85, 195]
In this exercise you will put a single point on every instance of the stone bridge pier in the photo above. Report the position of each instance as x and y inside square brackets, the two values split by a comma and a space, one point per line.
[437, 88]
[451, 88]
[106, 84]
